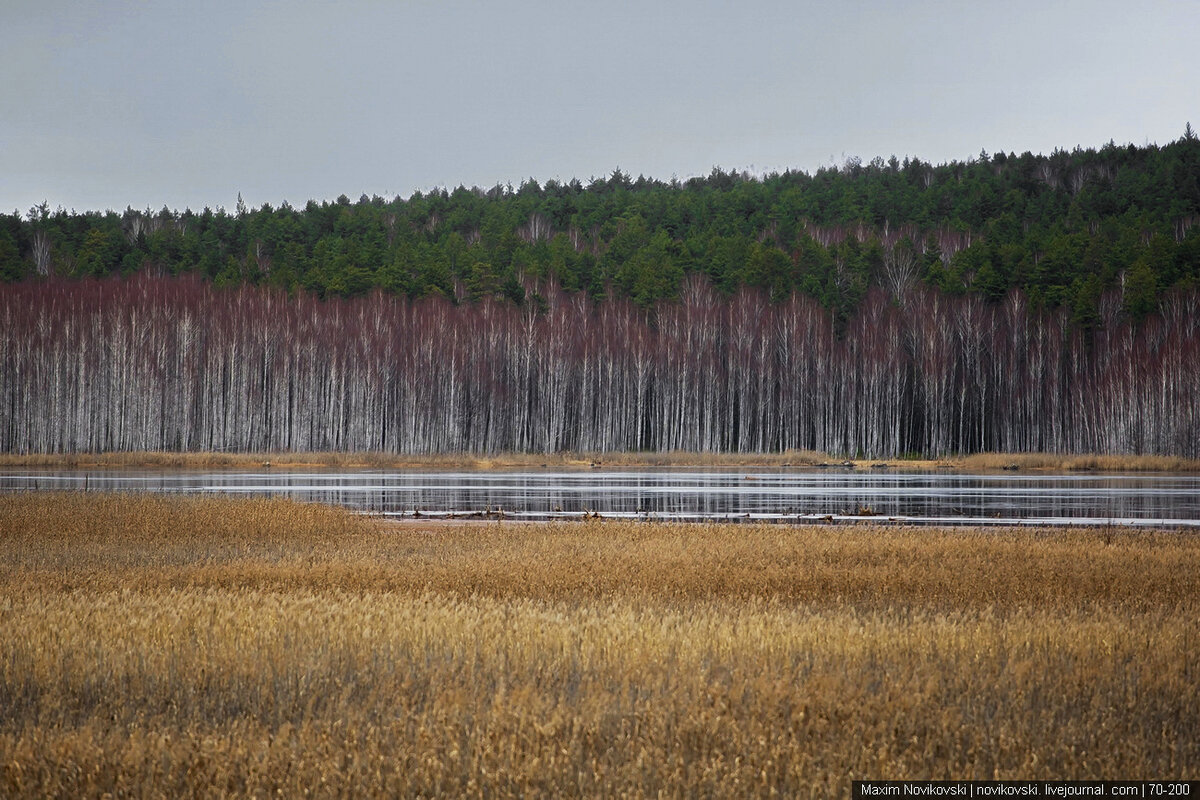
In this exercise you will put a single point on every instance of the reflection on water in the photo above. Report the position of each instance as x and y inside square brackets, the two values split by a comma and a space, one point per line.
[688, 494]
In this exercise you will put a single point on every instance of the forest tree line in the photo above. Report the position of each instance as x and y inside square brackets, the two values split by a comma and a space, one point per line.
[177, 363]
[1064, 229]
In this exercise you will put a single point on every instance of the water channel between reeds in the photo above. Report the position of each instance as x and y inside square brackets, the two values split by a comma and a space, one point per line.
[684, 494]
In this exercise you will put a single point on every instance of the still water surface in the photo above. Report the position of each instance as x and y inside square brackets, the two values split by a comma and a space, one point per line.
[688, 494]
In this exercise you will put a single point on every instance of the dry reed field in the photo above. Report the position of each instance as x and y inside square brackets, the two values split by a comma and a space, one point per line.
[177, 647]
[1082, 462]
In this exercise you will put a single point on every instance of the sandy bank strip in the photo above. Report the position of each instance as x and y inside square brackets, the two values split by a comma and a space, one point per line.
[799, 460]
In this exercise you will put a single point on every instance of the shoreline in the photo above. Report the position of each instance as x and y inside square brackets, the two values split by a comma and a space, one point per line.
[799, 459]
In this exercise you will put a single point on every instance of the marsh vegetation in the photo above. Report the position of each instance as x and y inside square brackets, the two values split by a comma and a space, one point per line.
[182, 646]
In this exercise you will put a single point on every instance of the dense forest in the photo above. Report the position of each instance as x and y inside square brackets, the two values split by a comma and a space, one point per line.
[1012, 303]
[178, 364]
[1062, 228]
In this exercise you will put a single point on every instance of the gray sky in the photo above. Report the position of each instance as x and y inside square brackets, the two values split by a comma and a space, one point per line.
[123, 103]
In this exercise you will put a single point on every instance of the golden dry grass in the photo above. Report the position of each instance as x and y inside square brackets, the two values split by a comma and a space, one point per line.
[1084, 462]
[377, 460]
[568, 460]
[157, 646]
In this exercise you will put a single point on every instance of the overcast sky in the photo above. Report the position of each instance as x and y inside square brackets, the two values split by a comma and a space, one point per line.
[121, 103]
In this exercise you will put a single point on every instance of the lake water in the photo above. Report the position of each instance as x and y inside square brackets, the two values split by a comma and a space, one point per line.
[688, 494]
